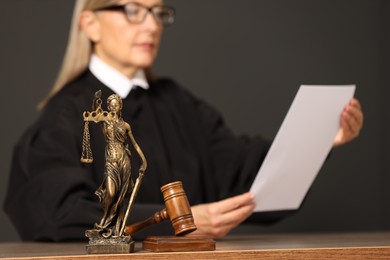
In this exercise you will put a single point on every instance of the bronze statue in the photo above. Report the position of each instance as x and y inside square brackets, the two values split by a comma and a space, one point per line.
[117, 185]
[111, 235]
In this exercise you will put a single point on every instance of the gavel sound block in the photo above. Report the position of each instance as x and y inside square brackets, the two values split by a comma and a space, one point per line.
[178, 211]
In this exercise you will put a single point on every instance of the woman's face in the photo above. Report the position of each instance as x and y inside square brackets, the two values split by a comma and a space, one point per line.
[123, 45]
[114, 105]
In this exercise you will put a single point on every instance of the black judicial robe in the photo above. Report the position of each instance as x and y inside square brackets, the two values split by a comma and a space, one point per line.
[51, 193]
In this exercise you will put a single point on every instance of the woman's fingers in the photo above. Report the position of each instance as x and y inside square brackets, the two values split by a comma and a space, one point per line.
[219, 218]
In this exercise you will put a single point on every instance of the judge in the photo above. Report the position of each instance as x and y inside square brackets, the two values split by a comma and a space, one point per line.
[112, 45]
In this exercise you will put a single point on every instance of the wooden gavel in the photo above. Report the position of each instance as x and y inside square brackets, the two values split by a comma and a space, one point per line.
[177, 210]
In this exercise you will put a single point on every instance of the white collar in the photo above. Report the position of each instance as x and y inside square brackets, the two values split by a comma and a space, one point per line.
[115, 80]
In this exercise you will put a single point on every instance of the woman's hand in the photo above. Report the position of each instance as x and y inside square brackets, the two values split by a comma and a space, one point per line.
[219, 218]
[351, 123]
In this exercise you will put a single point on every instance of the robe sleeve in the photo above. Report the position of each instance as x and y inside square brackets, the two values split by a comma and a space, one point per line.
[236, 160]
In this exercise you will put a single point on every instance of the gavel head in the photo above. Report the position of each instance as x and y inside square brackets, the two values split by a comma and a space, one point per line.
[178, 208]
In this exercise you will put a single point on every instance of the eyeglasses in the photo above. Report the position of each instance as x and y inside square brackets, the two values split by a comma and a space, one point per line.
[136, 12]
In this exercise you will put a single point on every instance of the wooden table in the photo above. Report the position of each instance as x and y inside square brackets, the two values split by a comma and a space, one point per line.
[367, 245]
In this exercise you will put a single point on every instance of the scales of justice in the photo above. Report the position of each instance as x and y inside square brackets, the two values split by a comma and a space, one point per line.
[118, 192]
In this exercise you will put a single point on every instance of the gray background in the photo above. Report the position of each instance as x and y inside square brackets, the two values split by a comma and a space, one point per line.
[247, 58]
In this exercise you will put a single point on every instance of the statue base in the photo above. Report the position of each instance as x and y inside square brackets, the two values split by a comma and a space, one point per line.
[112, 245]
[178, 244]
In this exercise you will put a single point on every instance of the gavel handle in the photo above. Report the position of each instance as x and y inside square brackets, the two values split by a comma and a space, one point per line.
[158, 217]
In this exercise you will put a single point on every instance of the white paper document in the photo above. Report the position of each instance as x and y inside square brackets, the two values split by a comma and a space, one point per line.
[300, 147]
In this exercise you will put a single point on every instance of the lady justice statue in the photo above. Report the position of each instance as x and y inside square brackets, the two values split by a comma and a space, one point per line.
[117, 185]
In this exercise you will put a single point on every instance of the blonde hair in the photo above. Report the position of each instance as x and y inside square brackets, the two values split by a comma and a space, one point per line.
[79, 48]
